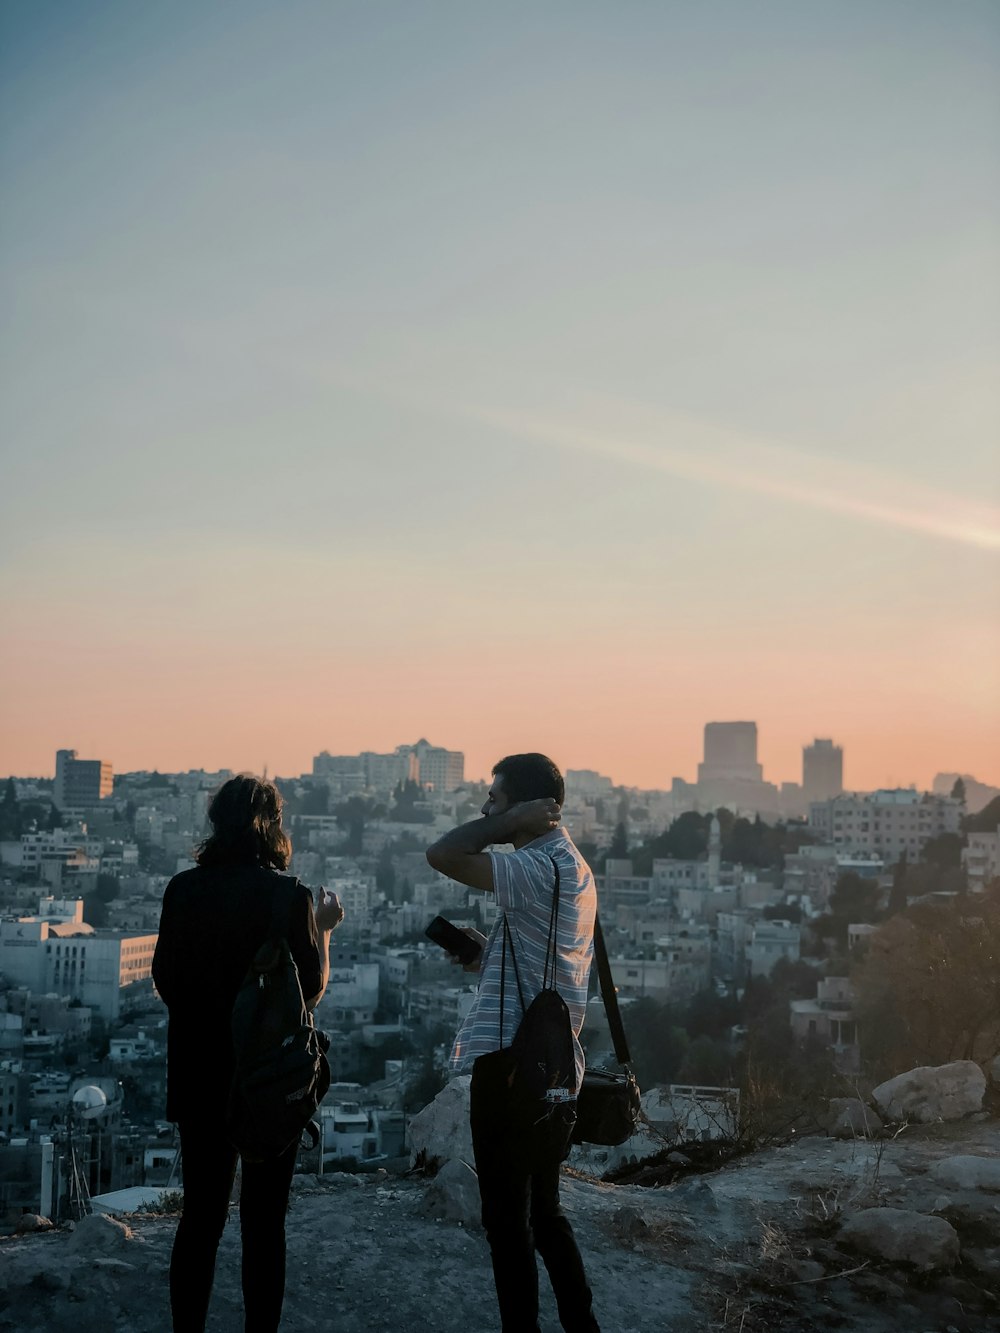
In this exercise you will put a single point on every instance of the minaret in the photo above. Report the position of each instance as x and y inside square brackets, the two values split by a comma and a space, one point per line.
[714, 853]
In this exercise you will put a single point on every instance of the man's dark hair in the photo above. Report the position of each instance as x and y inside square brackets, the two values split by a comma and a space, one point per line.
[245, 814]
[530, 777]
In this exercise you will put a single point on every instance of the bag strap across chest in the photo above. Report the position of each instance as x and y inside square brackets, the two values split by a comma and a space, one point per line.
[549, 971]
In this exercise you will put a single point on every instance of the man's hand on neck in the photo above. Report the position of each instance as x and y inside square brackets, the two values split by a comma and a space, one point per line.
[458, 854]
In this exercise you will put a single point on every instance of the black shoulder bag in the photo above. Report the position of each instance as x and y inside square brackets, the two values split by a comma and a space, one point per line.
[608, 1105]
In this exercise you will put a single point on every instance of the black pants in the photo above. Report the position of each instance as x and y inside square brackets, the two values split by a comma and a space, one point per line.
[209, 1168]
[518, 1166]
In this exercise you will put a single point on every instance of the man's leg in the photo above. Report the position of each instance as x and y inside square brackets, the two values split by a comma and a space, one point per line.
[553, 1234]
[263, 1205]
[209, 1165]
[504, 1187]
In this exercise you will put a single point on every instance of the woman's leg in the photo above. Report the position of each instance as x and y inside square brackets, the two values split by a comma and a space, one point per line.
[209, 1164]
[263, 1205]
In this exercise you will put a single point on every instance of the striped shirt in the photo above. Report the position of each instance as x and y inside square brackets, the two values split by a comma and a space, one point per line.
[523, 882]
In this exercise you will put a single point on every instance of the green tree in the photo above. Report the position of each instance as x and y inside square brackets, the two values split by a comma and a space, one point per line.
[351, 816]
[945, 850]
[958, 790]
[10, 813]
[385, 872]
[897, 895]
[656, 1040]
[316, 800]
[618, 851]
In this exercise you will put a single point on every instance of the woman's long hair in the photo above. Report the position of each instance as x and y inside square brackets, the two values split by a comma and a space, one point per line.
[245, 814]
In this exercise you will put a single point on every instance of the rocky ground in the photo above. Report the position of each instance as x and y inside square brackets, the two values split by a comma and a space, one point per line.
[759, 1245]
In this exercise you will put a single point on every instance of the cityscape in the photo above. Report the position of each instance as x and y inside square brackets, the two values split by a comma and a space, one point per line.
[710, 890]
[386, 390]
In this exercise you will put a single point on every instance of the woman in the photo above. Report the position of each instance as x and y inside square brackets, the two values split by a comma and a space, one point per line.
[214, 919]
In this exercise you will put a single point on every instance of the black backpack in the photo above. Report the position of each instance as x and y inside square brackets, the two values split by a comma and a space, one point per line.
[282, 1073]
[541, 1058]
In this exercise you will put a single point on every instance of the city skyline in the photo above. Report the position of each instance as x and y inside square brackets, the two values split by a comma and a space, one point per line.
[473, 774]
[558, 377]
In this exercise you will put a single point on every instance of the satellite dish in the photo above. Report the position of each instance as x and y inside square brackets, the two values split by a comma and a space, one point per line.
[89, 1102]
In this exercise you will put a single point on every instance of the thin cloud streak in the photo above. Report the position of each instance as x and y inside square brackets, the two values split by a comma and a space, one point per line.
[741, 463]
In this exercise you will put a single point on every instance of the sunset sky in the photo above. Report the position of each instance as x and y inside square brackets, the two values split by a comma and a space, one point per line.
[554, 375]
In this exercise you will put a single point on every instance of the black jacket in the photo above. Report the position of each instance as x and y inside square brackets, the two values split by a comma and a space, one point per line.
[212, 923]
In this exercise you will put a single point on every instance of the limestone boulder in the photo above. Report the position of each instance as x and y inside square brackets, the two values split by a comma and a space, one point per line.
[850, 1118]
[933, 1092]
[968, 1173]
[453, 1194]
[99, 1234]
[901, 1237]
[440, 1132]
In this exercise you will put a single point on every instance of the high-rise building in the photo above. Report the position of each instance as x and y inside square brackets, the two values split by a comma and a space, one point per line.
[730, 753]
[822, 770]
[81, 784]
[441, 770]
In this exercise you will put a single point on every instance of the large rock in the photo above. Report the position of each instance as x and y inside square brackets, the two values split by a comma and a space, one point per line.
[440, 1132]
[99, 1234]
[453, 1194]
[28, 1222]
[850, 1118]
[968, 1173]
[929, 1093]
[901, 1237]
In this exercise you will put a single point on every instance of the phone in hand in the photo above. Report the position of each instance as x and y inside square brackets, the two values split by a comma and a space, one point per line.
[455, 941]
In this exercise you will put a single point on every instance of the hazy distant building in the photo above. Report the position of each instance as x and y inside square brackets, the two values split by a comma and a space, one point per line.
[587, 782]
[885, 824]
[440, 769]
[81, 784]
[730, 774]
[822, 770]
[431, 765]
[730, 753]
[982, 859]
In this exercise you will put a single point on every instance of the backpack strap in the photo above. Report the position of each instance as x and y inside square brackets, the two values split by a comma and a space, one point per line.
[508, 942]
[610, 996]
[550, 952]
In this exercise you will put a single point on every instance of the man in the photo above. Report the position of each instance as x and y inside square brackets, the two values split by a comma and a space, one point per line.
[518, 1163]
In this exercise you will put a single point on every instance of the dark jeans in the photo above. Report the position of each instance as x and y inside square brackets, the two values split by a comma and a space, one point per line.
[518, 1166]
[209, 1168]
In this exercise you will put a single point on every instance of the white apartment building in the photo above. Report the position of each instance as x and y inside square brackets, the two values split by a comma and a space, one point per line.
[982, 860]
[769, 941]
[830, 1019]
[676, 972]
[885, 824]
[103, 970]
[352, 996]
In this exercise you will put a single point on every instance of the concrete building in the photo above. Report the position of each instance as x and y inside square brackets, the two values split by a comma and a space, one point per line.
[830, 1019]
[982, 860]
[586, 782]
[769, 941]
[822, 771]
[884, 824]
[730, 773]
[81, 784]
[730, 752]
[437, 768]
[106, 972]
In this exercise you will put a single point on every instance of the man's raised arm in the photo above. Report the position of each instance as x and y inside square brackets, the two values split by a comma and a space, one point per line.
[461, 854]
